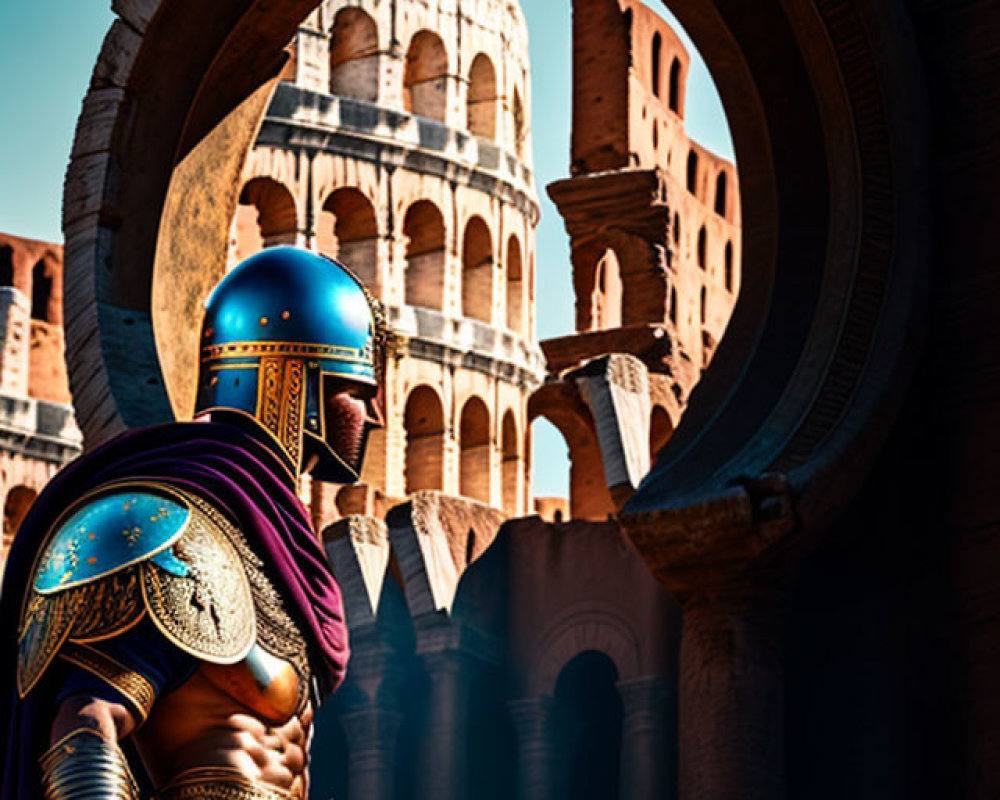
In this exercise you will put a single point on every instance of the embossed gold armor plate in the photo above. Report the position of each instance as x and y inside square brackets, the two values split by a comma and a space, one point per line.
[209, 612]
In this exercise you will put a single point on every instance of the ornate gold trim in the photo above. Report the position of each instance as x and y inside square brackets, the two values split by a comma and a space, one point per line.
[219, 783]
[293, 408]
[286, 349]
[131, 684]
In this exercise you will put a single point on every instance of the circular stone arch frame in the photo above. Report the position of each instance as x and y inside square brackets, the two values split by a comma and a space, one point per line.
[826, 106]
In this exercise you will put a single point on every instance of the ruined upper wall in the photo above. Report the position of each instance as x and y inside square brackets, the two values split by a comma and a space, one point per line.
[466, 67]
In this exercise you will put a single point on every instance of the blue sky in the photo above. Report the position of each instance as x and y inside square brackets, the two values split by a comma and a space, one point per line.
[47, 52]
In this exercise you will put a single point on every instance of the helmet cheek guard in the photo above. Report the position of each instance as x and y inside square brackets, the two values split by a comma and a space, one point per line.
[275, 327]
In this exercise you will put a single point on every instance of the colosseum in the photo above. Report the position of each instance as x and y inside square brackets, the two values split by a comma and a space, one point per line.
[400, 144]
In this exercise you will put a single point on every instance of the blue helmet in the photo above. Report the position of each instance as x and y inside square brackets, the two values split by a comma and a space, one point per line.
[275, 327]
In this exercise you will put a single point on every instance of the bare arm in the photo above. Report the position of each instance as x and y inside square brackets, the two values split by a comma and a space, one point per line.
[84, 755]
[112, 720]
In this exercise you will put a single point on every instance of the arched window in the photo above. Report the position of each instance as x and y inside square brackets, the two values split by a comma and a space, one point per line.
[348, 230]
[354, 55]
[675, 86]
[423, 420]
[511, 469]
[606, 299]
[477, 271]
[482, 107]
[677, 229]
[425, 84]
[15, 509]
[702, 247]
[515, 286]
[423, 227]
[265, 217]
[692, 172]
[657, 55]
[41, 292]
[720, 193]
[660, 430]
[6, 265]
[587, 719]
[704, 305]
[673, 305]
[517, 111]
[474, 446]
[729, 266]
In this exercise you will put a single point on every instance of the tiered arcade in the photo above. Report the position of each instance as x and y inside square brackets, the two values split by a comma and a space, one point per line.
[399, 142]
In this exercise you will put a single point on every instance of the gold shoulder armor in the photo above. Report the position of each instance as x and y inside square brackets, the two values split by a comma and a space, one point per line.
[187, 574]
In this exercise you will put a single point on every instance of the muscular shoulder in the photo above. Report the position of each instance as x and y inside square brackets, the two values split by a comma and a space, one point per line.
[127, 551]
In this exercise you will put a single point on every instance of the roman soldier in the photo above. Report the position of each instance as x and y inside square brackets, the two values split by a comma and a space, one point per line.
[171, 612]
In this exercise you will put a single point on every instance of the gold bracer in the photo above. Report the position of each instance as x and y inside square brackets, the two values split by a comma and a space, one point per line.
[85, 765]
[218, 783]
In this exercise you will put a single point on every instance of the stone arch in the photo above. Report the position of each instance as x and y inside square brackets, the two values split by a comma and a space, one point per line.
[354, 55]
[423, 422]
[474, 450]
[598, 627]
[41, 291]
[510, 450]
[6, 265]
[589, 496]
[15, 509]
[692, 172]
[482, 102]
[675, 86]
[266, 216]
[798, 90]
[721, 192]
[518, 124]
[477, 270]
[606, 298]
[656, 67]
[423, 227]
[515, 285]
[661, 427]
[425, 78]
[587, 718]
[347, 229]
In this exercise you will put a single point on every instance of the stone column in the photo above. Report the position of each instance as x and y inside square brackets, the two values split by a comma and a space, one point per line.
[371, 739]
[648, 755]
[731, 690]
[443, 763]
[726, 562]
[538, 754]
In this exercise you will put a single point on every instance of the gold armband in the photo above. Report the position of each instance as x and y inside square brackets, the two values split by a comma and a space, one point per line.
[84, 762]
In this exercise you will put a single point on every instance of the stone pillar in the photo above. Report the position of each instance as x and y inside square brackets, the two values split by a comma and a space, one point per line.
[731, 689]
[371, 739]
[443, 762]
[538, 754]
[723, 563]
[15, 341]
[648, 756]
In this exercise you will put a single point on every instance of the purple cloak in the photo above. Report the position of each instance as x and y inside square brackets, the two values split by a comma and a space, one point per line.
[227, 466]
